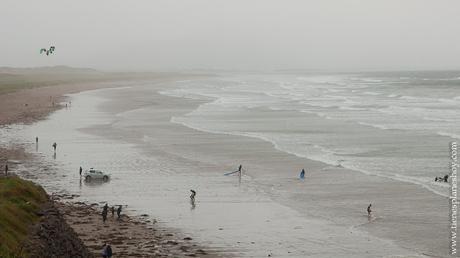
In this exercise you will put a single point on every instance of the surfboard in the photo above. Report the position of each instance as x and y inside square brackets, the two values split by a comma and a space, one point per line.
[229, 173]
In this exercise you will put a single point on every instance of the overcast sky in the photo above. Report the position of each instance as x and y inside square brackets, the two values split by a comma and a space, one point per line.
[232, 34]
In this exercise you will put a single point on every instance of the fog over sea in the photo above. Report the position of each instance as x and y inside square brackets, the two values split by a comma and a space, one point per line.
[390, 124]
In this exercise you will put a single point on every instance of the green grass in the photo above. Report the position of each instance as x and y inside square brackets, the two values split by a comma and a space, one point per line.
[14, 82]
[14, 79]
[19, 202]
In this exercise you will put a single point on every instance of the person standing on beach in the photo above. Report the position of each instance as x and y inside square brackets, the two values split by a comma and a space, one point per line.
[369, 211]
[81, 169]
[109, 251]
[105, 210]
[302, 174]
[36, 140]
[54, 146]
[6, 168]
[240, 172]
[119, 211]
[104, 251]
[113, 210]
[192, 196]
[446, 177]
[104, 215]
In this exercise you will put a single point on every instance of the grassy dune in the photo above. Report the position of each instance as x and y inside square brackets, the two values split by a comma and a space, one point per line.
[20, 200]
[13, 79]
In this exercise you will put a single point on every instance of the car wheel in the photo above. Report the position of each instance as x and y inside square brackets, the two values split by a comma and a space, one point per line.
[105, 178]
[88, 178]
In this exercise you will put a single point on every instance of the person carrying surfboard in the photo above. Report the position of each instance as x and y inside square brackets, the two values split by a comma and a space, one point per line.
[239, 171]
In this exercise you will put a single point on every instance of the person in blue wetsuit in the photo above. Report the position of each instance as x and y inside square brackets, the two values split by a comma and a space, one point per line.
[302, 174]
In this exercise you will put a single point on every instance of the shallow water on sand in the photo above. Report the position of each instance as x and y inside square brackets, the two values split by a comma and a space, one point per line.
[152, 173]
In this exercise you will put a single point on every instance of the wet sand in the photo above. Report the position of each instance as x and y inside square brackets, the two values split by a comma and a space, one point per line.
[130, 236]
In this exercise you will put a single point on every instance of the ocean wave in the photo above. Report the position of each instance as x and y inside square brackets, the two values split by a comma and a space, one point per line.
[369, 80]
[393, 96]
[334, 80]
[372, 93]
[352, 108]
[437, 119]
[409, 97]
[451, 135]
[382, 127]
[425, 182]
[327, 156]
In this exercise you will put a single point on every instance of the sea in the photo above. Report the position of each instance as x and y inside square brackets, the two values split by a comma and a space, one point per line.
[391, 124]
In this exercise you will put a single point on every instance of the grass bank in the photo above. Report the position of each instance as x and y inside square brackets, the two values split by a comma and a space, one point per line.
[14, 79]
[20, 202]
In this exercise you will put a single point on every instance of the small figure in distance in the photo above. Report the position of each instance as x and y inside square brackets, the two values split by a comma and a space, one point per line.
[442, 179]
[55, 146]
[369, 211]
[109, 251]
[104, 250]
[36, 140]
[192, 196]
[119, 212]
[6, 168]
[113, 210]
[81, 170]
[302, 174]
[104, 215]
[192, 199]
[446, 177]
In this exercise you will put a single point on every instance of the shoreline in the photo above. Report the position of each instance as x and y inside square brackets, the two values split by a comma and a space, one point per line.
[27, 106]
[390, 221]
[393, 221]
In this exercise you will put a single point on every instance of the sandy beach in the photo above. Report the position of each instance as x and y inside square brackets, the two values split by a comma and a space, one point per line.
[269, 213]
[129, 236]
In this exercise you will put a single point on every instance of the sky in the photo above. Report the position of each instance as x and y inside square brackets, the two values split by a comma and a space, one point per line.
[233, 34]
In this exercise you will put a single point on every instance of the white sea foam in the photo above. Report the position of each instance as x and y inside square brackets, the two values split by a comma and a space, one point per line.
[451, 135]
[333, 99]
[382, 127]
[325, 155]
